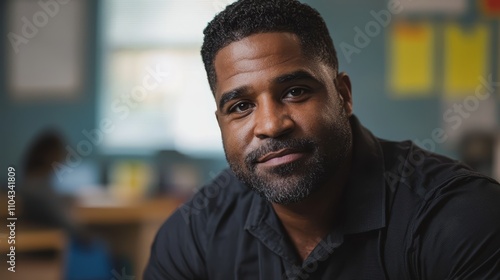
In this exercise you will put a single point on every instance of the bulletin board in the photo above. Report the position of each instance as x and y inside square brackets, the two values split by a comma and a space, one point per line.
[46, 49]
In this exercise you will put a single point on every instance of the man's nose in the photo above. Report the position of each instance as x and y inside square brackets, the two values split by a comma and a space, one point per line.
[272, 120]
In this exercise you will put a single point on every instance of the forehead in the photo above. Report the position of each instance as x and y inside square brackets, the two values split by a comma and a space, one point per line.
[258, 54]
[261, 44]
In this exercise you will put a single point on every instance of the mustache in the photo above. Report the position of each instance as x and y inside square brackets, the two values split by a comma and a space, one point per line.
[273, 145]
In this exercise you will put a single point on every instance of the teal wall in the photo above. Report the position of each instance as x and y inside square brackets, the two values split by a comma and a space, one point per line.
[20, 121]
[385, 116]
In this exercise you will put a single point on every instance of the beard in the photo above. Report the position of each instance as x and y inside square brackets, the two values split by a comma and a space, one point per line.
[294, 181]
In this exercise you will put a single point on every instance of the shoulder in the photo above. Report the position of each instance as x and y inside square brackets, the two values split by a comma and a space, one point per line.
[417, 169]
[180, 247]
[443, 215]
[225, 193]
[421, 177]
[456, 232]
[211, 204]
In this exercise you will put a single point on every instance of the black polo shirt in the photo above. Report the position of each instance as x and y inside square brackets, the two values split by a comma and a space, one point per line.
[405, 214]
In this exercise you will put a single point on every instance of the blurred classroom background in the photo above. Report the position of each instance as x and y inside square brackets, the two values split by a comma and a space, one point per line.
[107, 116]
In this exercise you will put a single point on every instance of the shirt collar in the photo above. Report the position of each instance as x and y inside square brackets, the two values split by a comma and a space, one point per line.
[362, 206]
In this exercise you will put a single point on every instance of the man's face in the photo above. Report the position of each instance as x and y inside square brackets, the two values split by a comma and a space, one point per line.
[284, 122]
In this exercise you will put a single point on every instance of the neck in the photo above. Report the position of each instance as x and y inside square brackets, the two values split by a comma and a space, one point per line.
[311, 219]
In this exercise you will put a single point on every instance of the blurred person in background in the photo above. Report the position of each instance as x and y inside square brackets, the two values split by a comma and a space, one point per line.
[311, 193]
[87, 256]
[42, 205]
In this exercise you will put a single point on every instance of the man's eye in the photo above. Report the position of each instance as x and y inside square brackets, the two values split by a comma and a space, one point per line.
[296, 92]
[240, 107]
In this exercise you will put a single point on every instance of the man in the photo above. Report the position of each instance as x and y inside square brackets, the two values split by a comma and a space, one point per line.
[312, 194]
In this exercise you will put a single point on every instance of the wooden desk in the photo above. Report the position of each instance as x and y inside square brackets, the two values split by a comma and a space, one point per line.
[29, 240]
[32, 240]
[129, 228]
[36, 239]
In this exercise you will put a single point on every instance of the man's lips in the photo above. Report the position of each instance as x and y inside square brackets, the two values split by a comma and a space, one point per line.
[280, 157]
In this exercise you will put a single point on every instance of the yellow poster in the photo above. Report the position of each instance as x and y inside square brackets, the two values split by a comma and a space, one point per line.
[411, 55]
[466, 58]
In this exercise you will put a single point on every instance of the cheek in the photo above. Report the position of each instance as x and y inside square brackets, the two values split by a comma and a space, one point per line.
[333, 109]
[236, 138]
[314, 118]
[323, 125]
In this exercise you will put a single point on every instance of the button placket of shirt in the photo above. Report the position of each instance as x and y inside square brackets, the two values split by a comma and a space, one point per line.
[322, 252]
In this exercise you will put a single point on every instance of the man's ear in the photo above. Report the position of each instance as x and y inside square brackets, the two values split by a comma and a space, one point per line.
[343, 83]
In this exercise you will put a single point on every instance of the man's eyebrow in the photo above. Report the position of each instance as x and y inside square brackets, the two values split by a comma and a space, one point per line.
[230, 95]
[297, 75]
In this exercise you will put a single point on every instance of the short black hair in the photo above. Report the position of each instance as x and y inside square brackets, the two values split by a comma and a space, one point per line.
[247, 17]
[46, 148]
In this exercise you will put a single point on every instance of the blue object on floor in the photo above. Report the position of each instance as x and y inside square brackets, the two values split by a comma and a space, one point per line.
[89, 261]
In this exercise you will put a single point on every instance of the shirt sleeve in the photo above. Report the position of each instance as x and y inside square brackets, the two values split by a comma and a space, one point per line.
[458, 235]
[177, 250]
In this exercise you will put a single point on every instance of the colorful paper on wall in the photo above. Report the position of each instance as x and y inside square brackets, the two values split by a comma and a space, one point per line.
[490, 7]
[411, 55]
[455, 7]
[472, 113]
[466, 52]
